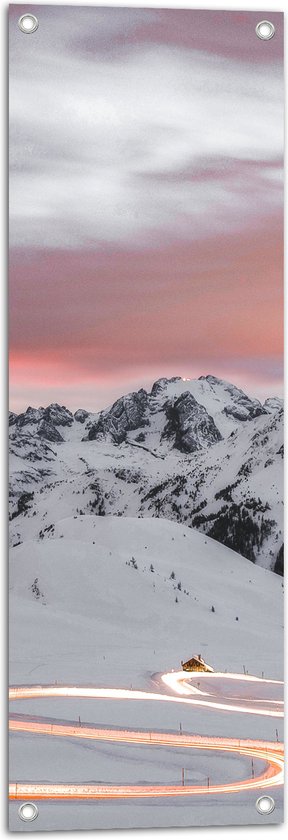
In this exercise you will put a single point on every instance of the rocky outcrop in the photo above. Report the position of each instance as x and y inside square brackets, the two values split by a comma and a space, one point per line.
[189, 424]
[30, 416]
[244, 409]
[58, 415]
[125, 415]
[44, 421]
[81, 415]
[161, 384]
[238, 405]
[55, 414]
[279, 563]
[49, 432]
[273, 404]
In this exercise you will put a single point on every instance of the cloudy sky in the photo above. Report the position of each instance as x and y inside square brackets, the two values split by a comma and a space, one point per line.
[145, 202]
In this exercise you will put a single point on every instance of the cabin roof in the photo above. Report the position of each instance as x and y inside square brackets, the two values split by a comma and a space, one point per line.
[195, 658]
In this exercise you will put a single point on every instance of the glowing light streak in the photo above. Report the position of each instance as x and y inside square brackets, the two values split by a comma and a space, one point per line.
[271, 753]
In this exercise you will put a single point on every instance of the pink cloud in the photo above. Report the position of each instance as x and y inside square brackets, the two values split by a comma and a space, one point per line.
[118, 316]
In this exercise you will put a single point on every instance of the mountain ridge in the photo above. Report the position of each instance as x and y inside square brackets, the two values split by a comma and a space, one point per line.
[217, 462]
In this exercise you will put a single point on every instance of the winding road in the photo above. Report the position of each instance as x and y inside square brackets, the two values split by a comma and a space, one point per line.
[205, 690]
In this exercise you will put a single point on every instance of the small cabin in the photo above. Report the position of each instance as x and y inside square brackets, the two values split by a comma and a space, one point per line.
[197, 663]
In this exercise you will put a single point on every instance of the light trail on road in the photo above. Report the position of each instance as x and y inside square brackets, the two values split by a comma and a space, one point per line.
[182, 683]
[269, 752]
[173, 680]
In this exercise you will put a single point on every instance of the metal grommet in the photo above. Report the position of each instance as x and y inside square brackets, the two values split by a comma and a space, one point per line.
[28, 811]
[28, 23]
[265, 805]
[265, 30]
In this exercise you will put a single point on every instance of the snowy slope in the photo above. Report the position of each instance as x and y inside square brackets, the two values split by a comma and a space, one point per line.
[200, 452]
[111, 600]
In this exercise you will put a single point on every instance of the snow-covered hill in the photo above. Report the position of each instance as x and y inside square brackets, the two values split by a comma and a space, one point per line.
[200, 452]
[111, 600]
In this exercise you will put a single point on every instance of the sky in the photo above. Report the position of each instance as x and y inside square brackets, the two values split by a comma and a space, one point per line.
[146, 206]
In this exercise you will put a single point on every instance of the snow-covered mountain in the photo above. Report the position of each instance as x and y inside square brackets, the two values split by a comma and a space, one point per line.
[199, 452]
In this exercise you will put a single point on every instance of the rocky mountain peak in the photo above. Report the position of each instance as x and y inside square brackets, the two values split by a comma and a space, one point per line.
[58, 415]
[81, 415]
[125, 415]
[214, 380]
[187, 414]
[161, 384]
[189, 424]
[238, 404]
[273, 404]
